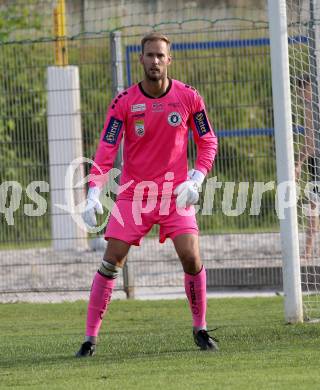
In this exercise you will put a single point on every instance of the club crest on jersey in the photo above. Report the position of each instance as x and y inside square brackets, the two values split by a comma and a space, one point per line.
[112, 131]
[138, 107]
[174, 119]
[139, 127]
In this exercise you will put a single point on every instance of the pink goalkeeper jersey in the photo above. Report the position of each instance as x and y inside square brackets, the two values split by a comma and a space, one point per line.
[155, 134]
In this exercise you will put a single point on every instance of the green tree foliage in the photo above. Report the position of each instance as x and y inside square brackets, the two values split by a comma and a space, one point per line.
[14, 18]
[23, 147]
[24, 155]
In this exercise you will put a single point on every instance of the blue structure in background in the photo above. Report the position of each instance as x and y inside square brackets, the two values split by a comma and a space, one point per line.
[205, 45]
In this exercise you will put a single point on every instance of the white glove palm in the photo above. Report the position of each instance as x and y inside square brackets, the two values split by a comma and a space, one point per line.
[188, 191]
[93, 205]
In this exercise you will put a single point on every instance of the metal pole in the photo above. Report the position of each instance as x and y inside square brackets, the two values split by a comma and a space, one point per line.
[61, 47]
[314, 36]
[117, 77]
[128, 280]
[285, 158]
[117, 87]
[116, 63]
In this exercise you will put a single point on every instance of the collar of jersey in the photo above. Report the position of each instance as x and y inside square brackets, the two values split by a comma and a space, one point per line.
[152, 97]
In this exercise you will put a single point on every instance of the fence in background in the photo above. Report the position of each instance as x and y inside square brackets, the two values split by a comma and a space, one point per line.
[229, 64]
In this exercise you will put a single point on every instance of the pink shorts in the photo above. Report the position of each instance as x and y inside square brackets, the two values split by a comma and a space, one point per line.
[130, 220]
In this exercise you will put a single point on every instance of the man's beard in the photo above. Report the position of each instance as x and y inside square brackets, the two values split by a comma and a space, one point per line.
[154, 76]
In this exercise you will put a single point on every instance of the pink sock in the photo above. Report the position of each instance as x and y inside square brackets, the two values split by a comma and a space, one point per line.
[196, 290]
[100, 297]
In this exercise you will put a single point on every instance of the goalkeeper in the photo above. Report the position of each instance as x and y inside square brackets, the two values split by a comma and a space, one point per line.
[154, 117]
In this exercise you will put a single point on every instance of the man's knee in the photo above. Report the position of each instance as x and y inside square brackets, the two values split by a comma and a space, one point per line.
[116, 258]
[191, 262]
[116, 252]
[189, 257]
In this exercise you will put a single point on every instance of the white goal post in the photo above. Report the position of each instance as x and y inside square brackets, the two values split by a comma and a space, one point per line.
[285, 158]
[295, 61]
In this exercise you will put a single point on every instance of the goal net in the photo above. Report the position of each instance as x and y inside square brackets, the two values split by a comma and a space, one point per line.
[303, 18]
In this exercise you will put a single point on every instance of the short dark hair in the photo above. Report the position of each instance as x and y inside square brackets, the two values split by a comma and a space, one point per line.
[155, 36]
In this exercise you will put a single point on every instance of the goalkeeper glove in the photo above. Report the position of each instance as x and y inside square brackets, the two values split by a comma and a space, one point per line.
[188, 191]
[93, 205]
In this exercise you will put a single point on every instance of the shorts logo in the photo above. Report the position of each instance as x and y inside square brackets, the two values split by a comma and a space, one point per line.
[138, 107]
[174, 119]
[201, 122]
[139, 127]
[112, 131]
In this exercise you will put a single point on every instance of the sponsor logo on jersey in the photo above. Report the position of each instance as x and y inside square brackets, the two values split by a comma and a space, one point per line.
[174, 104]
[139, 115]
[201, 122]
[139, 127]
[174, 119]
[138, 107]
[112, 131]
[157, 107]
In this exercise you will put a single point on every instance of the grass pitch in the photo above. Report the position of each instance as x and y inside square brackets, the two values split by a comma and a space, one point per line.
[148, 345]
